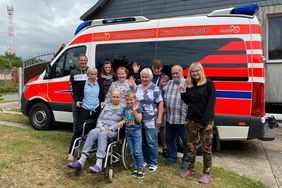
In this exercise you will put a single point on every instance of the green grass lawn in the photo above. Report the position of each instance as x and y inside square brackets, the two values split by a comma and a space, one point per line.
[17, 118]
[30, 158]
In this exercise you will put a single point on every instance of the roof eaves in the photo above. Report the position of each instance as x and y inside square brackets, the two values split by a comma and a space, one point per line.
[94, 10]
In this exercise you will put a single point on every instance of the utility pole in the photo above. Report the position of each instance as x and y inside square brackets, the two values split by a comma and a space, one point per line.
[11, 33]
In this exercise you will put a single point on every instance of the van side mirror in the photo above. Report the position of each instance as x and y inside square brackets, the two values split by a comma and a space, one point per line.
[48, 72]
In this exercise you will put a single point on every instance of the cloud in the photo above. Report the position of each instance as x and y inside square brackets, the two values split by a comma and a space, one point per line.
[41, 25]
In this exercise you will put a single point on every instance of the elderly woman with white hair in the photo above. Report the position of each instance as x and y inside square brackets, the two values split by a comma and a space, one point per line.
[151, 103]
[88, 98]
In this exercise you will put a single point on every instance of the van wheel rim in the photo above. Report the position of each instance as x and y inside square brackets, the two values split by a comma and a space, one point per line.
[40, 117]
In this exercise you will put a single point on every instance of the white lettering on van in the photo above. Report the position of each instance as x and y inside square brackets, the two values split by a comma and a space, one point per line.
[104, 36]
[134, 35]
[232, 29]
[198, 31]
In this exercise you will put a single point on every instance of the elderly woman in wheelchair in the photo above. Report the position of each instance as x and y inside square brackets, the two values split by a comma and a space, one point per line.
[109, 121]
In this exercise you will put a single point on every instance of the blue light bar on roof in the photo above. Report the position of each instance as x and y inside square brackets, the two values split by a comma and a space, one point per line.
[249, 9]
[82, 25]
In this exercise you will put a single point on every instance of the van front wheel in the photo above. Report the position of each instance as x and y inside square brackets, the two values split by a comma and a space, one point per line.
[40, 117]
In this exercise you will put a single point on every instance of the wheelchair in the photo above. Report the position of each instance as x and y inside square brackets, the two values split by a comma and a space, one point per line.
[117, 150]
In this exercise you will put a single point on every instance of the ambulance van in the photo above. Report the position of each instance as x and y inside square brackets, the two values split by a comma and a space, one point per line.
[227, 42]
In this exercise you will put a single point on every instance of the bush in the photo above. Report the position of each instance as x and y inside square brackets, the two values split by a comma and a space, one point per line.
[11, 88]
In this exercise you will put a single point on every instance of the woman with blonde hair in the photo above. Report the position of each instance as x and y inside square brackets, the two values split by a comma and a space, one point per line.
[200, 97]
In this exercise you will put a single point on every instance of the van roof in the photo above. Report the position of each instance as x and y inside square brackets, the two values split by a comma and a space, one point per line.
[247, 11]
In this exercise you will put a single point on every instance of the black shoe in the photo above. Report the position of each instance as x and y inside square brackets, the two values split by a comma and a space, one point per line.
[135, 173]
[169, 162]
[140, 174]
[165, 153]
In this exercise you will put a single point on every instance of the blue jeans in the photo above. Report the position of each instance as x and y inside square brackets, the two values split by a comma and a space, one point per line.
[172, 132]
[134, 140]
[150, 146]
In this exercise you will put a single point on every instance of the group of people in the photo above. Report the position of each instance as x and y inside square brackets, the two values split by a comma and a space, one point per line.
[147, 104]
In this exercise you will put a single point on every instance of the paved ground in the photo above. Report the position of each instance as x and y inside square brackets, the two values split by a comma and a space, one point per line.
[10, 97]
[254, 159]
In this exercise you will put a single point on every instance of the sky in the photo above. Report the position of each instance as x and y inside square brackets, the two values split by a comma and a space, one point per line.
[40, 25]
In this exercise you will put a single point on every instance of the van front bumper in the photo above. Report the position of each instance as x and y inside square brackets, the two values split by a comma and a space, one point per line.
[24, 104]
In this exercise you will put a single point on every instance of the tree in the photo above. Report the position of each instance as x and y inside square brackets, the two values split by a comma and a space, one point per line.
[10, 60]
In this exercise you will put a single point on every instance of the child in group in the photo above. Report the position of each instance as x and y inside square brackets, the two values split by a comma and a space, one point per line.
[132, 119]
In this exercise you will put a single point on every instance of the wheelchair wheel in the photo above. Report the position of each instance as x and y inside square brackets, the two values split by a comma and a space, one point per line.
[126, 155]
[111, 175]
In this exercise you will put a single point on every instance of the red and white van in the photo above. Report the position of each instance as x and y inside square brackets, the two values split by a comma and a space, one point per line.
[227, 42]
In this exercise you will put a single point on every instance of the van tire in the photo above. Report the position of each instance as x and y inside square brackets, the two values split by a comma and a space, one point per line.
[40, 117]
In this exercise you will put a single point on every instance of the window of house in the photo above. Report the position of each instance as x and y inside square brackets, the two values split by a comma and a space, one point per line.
[275, 38]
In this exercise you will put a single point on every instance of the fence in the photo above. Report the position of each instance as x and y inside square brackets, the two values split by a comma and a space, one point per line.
[36, 64]
[41, 57]
[9, 76]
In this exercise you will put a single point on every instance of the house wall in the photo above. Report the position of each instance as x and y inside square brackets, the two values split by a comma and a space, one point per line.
[273, 70]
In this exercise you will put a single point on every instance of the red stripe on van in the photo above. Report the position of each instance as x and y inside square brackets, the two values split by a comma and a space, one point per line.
[233, 86]
[207, 30]
[256, 72]
[226, 72]
[224, 59]
[255, 58]
[82, 39]
[223, 72]
[233, 107]
[169, 32]
[241, 45]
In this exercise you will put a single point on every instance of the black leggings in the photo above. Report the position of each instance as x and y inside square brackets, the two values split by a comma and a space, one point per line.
[83, 115]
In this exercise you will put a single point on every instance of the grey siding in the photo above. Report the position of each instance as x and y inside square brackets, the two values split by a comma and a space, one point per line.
[153, 9]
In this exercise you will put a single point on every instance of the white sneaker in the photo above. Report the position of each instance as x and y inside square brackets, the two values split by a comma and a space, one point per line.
[70, 157]
[145, 164]
[152, 168]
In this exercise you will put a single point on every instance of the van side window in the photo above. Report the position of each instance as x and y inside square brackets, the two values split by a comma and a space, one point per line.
[67, 62]
[223, 59]
[125, 54]
[220, 57]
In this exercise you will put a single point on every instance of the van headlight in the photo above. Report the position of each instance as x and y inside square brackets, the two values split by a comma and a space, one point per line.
[25, 88]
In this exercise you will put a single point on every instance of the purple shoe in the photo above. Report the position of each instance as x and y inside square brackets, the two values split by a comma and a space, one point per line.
[187, 173]
[75, 165]
[95, 169]
[205, 179]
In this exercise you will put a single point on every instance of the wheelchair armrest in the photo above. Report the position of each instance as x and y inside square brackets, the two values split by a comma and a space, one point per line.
[118, 134]
[121, 133]
[86, 122]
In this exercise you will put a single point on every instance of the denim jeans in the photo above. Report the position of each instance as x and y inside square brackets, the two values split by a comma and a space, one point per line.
[173, 131]
[150, 145]
[134, 140]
